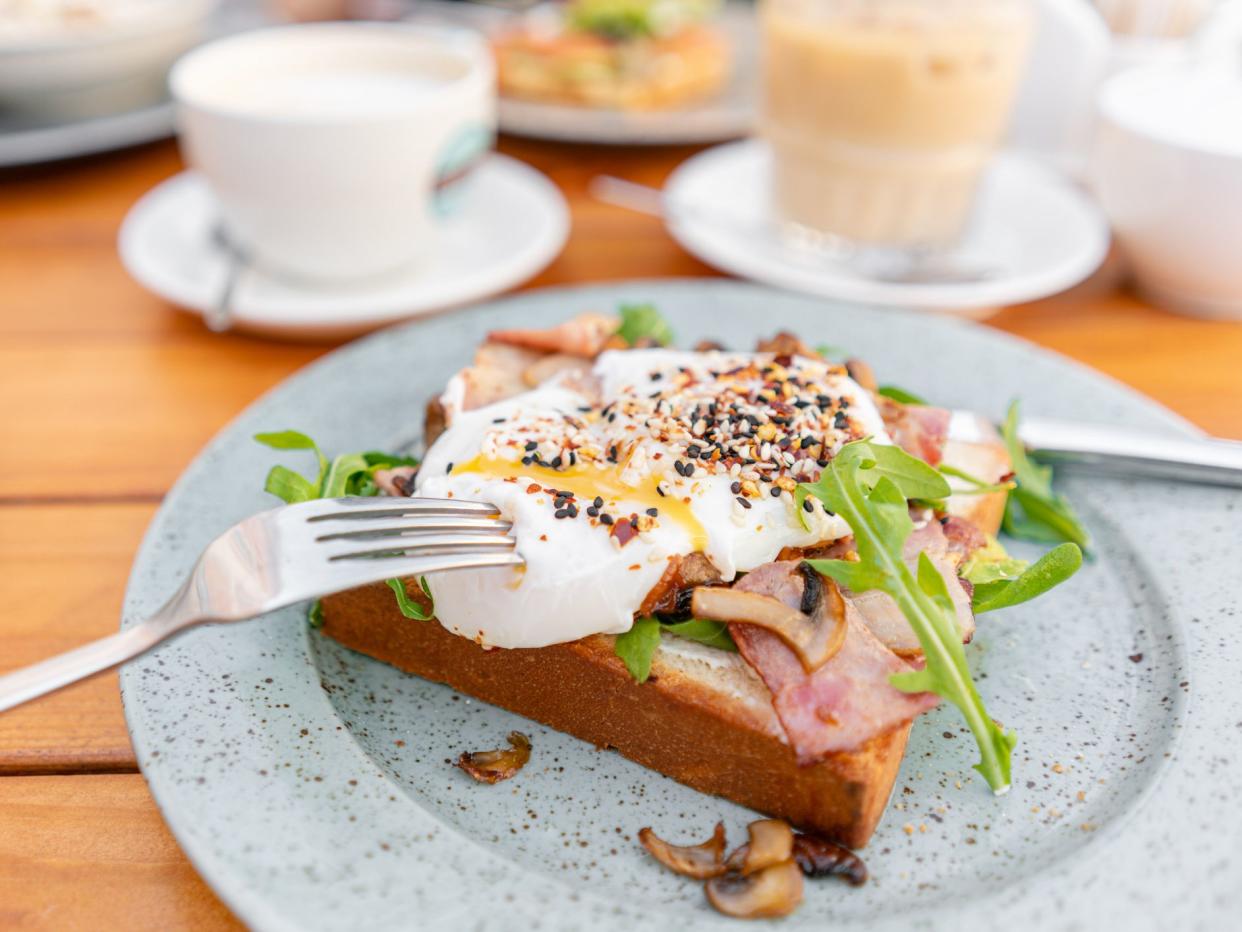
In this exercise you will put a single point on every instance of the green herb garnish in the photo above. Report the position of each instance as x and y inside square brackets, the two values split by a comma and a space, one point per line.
[637, 647]
[913, 478]
[1034, 511]
[712, 633]
[347, 474]
[410, 608]
[1052, 569]
[978, 486]
[876, 508]
[830, 351]
[900, 394]
[641, 323]
[990, 563]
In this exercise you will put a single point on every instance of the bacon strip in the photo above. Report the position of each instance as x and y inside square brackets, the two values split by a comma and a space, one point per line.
[920, 430]
[845, 702]
[880, 613]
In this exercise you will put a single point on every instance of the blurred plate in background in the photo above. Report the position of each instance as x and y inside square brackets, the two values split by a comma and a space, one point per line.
[727, 116]
[43, 118]
[1033, 234]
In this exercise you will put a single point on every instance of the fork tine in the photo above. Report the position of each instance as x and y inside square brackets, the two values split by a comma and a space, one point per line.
[403, 526]
[413, 545]
[354, 509]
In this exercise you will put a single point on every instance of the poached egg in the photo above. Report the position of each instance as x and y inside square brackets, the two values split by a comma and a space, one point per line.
[609, 473]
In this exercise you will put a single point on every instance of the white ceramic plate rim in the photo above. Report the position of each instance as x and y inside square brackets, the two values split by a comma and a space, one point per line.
[1135, 853]
[728, 252]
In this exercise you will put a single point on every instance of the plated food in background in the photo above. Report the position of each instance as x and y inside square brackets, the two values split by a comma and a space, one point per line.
[73, 59]
[622, 54]
[748, 570]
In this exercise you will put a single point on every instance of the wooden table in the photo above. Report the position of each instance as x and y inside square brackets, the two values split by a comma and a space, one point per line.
[107, 393]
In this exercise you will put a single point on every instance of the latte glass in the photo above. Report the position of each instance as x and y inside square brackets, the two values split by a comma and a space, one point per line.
[882, 114]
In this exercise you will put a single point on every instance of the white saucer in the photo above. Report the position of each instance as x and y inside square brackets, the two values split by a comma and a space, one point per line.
[512, 222]
[1033, 231]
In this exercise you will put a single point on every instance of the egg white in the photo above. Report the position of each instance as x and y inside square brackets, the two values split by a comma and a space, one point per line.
[576, 581]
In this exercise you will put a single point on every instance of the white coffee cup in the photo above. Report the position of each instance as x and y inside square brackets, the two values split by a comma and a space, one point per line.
[334, 149]
[1168, 172]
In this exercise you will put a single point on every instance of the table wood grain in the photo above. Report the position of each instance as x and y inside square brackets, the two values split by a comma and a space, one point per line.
[107, 393]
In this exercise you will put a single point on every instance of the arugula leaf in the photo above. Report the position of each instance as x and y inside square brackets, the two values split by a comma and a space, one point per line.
[990, 563]
[831, 352]
[387, 460]
[641, 322]
[289, 487]
[409, 608]
[980, 486]
[900, 394]
[314, 614]
[711, 633]
[912, 477]
[1053, 568]
[877, 512]
[1034, 511]
[637, 646]
[347, 474]
[336, 482]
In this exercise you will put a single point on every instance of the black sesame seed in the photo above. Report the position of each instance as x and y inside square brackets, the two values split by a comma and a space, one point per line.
[573, 511]
[774, 492]
[448, 468]
[659, 492]
[807, 506]
[606, 518]
[592, 511]
[499, 420]
[743, 502]
[531, 445]
[561, 513]
[527, 460]
[556, 462]
[654, 512]
[598, 503]
[692, 452]
[735, 487]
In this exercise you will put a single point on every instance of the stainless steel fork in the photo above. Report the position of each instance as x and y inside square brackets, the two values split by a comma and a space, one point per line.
[289, 555]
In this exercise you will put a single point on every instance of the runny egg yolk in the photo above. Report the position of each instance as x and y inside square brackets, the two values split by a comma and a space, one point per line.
[588, 483]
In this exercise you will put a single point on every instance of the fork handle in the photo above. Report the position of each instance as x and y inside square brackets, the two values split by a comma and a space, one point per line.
[50, 675]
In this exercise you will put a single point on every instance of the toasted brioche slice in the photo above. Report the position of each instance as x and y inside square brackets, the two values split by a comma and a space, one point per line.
[703, 717]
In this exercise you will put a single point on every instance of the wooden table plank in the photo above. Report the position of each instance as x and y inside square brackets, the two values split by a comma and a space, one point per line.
[92, 853]
[63, 570]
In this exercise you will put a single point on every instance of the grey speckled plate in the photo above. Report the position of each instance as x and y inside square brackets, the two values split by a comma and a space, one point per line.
[310, 787]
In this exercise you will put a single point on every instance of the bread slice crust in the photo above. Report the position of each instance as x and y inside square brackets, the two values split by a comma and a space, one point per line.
[677, 723]
[710, 727]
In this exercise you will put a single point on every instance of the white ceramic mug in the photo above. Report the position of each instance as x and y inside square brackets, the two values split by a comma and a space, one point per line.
[334, 148]
[1168, 171]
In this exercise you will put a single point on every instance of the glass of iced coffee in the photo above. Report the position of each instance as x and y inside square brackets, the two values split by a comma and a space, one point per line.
[882, 114]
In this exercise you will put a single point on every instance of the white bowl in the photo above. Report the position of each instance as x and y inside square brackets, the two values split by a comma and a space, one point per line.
[117, 63]
[1167, 168]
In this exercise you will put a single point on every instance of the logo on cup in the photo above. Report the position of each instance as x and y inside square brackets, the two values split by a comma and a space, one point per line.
[459, 158]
